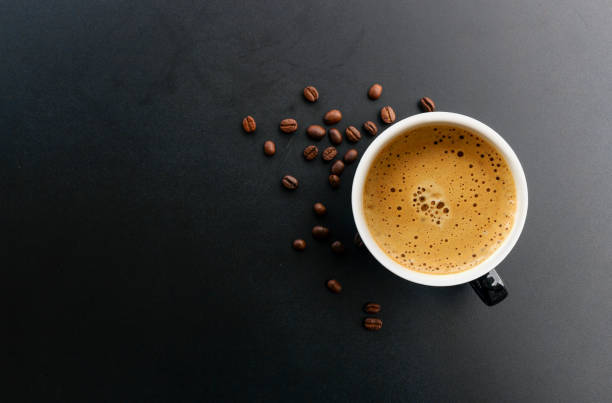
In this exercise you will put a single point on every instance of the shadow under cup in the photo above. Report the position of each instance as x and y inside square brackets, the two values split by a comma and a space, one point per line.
[482, 281]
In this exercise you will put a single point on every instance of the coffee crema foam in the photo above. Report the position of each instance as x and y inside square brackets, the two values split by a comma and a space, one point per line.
[439, 199]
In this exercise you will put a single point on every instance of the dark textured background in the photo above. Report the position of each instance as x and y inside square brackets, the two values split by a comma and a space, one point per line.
[146, 252]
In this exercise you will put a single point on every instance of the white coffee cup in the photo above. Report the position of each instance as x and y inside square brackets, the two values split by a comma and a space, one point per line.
[459, 121]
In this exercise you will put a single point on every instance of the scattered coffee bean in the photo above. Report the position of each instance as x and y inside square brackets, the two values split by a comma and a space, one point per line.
[427, 104]
[358, 241]
[288, 125]
[311, 152]
[269, 148]
[332, 117]
[329, 153]
[337, 247]
[320, 232]
[311, 94]
[375, 91]
[372, 323]
[352, 134]
[299, 244]
[337, 167]
[387, 115]
[371, 307]
[315, 132]
[248, 124]
[319, 209]
[370, 128]
[334, 181]
[350, 156]
[335, 136]
[289, 182]
[334, 286]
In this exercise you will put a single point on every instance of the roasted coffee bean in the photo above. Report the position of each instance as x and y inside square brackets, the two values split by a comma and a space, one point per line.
[329, 153]
[427, 104]
[334, 180]
[299, 244]
[358, 241]
[332, 117]
[288, 125]
[334, 286]
[371, 307]
[337, 167]
[337, 247]
[248, 124]
[289, 182]
[320, 232]
[352, 134]
[370, 128]
[311, 152]
[319, 209]
[335, 136]
[372, 323]
[387, 115]
[269, 148]
[311, 94]
[350, 156]
[315, 132]
[375, 91]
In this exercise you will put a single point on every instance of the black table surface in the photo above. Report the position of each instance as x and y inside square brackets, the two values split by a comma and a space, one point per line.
[147, 240]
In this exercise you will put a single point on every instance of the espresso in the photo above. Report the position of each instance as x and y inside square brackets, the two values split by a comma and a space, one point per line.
[439, 199]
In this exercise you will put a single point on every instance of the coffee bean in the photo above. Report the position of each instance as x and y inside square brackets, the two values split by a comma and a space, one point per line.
[371, 307]
[352, 134]
[427, 104]
[288, 125]
[337, 167]
[319, 209]
[370, 128]
[334, 181]
[350, 156]
[334, 286]
[248, 124]
[335, 136]
[315, 132]
[358, 241]
[337, 247]
[372, 323]
[375, 91]
[299, 244]
[320, 232]
[311, 152]
[289, 182]
[329, 153]
[387, 115]
[311, 94]
[332, 117]
[269, 148]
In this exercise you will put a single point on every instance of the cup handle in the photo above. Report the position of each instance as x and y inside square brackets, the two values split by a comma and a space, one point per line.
[490, 288]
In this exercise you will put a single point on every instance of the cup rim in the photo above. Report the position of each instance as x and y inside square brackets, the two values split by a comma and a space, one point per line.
[457, 120]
